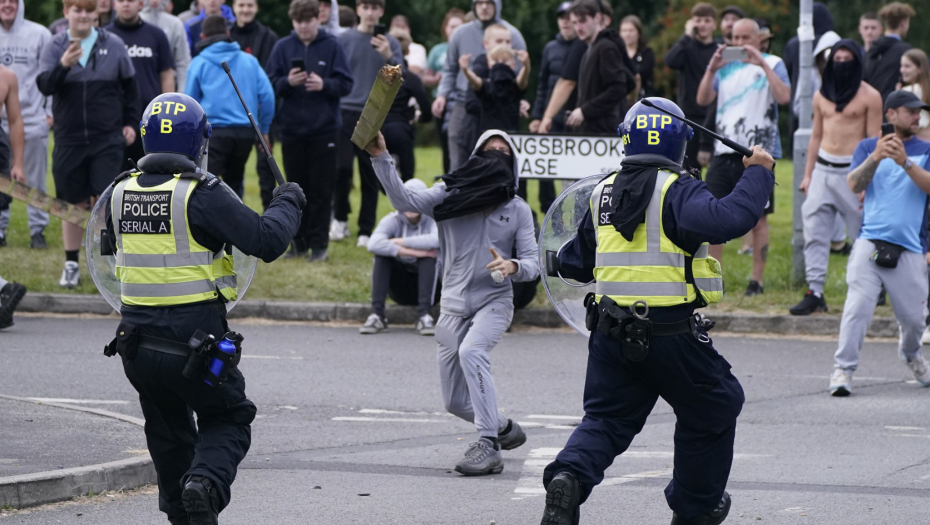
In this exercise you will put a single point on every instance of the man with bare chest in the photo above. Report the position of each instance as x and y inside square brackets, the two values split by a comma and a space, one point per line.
[846, 110]
[12, 144]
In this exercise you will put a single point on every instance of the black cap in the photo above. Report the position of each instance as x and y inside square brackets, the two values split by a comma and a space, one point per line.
[563, 8]
[906, 99]
[733, 9]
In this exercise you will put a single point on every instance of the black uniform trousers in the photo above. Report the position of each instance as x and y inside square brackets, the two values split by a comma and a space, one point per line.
[619, 395]
[222, 435]
[346, 153]
[311, 163]
[399, 137]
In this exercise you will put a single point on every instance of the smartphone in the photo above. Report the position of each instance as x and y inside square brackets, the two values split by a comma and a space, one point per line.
[297, 63]
[734, 53]
[380, 29]
[887, 129]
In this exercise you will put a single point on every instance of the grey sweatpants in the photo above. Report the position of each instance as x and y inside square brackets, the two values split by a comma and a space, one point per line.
[907, 289]
[463, 128]
[465, 344]
[35, 167]
[827, 197]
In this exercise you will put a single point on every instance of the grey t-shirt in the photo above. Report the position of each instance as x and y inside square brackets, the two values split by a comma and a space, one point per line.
[365, 62]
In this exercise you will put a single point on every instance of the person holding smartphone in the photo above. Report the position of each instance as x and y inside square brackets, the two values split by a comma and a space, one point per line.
[690, 56]
[309, 72]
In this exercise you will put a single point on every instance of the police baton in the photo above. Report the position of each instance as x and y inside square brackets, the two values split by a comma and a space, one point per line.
[739, 148]
[270, 159]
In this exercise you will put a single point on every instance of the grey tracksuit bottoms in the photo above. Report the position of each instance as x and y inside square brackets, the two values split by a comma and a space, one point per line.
[465, 344]
[35, 168]
[907, 289]
[827, 197]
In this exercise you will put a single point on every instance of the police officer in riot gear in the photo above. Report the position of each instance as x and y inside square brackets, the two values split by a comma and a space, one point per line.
[644, 241]
[171, 227]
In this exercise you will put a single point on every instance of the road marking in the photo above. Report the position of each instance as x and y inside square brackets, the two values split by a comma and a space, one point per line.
[388, 420]
[398, 412]
[77, 401]
[275, 357]
[911, 436]
[905, 428]
[569, 418]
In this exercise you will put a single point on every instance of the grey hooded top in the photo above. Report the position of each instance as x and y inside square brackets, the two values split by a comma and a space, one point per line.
[465, 242]
[177, 37]
[20, 48]
[469, 39]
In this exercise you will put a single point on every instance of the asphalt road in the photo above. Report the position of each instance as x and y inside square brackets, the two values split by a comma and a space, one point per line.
[351, 430]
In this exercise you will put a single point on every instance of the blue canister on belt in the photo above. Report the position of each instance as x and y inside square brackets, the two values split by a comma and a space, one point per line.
[216, 364]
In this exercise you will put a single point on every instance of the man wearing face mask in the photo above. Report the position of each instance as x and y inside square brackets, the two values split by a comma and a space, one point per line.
[478, 219]
[846, 110]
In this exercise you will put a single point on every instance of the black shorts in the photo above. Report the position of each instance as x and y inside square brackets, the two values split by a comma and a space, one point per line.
[84, 171]
[723, 174]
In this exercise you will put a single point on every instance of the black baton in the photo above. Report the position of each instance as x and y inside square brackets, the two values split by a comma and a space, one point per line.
[739, 148]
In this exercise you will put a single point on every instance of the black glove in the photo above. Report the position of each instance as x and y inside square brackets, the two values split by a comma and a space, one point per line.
[292, 189]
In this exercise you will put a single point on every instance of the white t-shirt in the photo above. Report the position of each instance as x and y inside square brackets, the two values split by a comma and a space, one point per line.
[924, 115]
[747, 112]
[416, 56]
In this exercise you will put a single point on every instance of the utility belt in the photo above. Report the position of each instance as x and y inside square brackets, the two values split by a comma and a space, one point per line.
[207, 359]
[635, 330]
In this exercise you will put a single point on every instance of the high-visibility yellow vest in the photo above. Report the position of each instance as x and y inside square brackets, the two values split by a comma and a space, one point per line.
[158, 261]
[651, 268]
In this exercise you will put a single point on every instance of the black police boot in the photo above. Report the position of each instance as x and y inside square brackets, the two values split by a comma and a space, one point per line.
[810, 304]
[199, 499]
[562, 500]
[716, 516]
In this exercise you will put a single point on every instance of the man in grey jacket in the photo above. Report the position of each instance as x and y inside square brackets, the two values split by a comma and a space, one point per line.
[467, 40]
[155, 13]
[21, 45]
[478, 218]
[405, 245]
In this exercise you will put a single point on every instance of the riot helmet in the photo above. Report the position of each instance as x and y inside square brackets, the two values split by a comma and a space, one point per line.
[648, 130]
[175, 123]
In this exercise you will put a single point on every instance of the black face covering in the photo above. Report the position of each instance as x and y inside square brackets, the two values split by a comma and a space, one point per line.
[485, 181]
[841, 80]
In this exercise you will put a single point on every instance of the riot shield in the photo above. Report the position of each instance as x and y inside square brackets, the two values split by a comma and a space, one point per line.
[102, 268]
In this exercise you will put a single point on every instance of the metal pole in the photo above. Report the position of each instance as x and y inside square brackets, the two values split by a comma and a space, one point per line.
[803, 135]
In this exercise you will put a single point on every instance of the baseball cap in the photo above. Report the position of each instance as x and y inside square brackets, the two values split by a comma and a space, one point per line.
[563, 8]
[733, 9]
[906, 99]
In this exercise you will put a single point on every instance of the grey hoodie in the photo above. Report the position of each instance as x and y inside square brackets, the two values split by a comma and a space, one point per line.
[20, 49]
[420, 236]
[465, 242]
[177, 37]
[469, 39]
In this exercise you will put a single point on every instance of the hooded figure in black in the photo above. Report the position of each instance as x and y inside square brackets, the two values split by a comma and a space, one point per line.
[823, 22]
[841, 80]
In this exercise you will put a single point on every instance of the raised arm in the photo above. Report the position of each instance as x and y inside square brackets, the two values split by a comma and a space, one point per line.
[401, 198]
[706, 91]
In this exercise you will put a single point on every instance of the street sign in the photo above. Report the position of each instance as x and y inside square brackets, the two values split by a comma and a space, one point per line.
[567, 156]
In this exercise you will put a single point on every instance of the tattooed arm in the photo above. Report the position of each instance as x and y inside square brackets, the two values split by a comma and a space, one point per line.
[860, 178]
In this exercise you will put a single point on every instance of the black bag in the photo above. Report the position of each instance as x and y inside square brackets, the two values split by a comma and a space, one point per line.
[125, 343]
[886, 254]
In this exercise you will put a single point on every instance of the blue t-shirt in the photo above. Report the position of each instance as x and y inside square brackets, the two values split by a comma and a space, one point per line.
[895, 208]
[87, 45]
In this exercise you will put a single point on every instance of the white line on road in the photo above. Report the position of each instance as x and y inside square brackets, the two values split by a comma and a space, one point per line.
[905, 428]
[275, 357]
[398, 412]
[77, 401]
[388, 420]
[569, 418]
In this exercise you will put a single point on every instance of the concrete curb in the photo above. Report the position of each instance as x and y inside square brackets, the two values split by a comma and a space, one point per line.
[41, 488]
[824, 325]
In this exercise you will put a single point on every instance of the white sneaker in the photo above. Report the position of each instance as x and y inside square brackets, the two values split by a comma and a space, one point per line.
[362, 241]
[925, 339]
[71, 276]
[425, 325]
[841, 382]
[921, 370]
[338, 230]
[373, 325]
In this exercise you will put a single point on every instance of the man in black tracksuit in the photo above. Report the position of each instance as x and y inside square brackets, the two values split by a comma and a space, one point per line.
[883, 61]
[257, 40]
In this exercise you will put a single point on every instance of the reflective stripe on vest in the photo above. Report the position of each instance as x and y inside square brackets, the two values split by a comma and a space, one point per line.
[160, 269]
[650, 268]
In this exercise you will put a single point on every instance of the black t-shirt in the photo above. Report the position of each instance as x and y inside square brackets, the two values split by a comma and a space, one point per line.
[500, 98]
[150, 53]
[571, 70]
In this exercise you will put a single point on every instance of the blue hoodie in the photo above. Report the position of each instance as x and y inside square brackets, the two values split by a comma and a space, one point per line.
[306, 114]
[194, 26]
[208, 84]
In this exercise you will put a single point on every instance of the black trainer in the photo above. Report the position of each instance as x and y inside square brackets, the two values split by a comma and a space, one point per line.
[2, 241]
[295, 253]
[882, 298]
[199, 499]
[810, 304]
[754, 288]
[715, 517]
[37, 241]
[562, 500]
[10, 296]
[844, 250]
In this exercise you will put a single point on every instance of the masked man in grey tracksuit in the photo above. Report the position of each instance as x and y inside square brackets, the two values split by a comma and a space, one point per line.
[478, 218]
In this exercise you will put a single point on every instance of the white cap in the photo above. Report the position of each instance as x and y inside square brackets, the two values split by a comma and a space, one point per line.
[827, 41]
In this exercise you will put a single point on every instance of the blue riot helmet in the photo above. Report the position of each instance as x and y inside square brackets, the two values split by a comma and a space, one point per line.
[648, 130]
[175, 123]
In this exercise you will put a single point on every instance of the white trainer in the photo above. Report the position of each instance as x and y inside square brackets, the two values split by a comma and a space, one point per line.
[362, 241]
[921, 370]
[425, 325]
[338, 230]
[71, 276]
[373, 325]
[841, 382]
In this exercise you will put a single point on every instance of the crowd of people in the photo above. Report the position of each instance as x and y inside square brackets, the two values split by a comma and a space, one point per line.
[90, 75]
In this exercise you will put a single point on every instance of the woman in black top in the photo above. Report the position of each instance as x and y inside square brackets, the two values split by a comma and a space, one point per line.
[644, 59]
